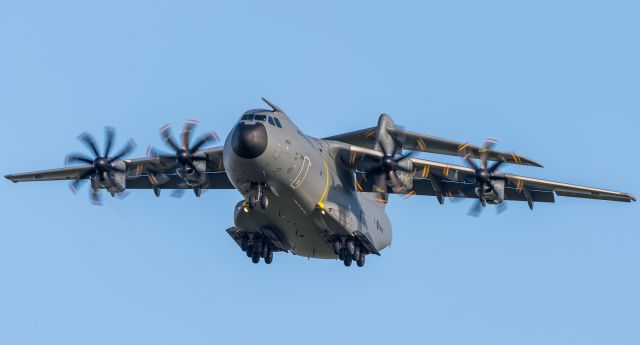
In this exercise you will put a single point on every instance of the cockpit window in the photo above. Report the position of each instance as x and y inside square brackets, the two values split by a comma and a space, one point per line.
[248, 117]
[261, 117]
[277, 122]
[271, 121]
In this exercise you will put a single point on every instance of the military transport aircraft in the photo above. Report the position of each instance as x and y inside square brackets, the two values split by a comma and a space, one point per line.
[317, 198]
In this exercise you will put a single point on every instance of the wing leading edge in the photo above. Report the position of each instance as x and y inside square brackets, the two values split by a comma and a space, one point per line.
[425, 143]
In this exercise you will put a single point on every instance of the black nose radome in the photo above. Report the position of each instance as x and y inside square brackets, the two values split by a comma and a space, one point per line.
[249, 140]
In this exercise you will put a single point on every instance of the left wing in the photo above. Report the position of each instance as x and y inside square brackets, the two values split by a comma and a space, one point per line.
[517, 186]
[413, 141]
[450, 180]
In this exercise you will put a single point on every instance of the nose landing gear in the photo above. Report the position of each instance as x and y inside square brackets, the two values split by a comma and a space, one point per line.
[259, 197]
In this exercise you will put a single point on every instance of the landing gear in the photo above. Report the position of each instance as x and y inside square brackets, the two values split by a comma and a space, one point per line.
[253, 201]
[337, 246]
[356, 253]
[257, 246]
[269, 257]
[351, 246]
[255, 258]
[349, 250]
[259, 197]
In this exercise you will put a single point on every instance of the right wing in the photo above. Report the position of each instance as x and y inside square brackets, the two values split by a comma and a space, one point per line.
[137, 172]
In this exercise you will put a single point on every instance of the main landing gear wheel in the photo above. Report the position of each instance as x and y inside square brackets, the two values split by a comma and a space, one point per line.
[337, 246]
[269, 257]
[351, 246]
[356, 253]
[360, 261]
[347, 260]
[255, 258]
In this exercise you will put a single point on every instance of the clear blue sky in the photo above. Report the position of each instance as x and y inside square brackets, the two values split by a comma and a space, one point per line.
[557, 81]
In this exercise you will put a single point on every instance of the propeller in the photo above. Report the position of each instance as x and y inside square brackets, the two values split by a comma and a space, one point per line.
[185, 152]
[484, 178]
[385, 170]
[101, 163]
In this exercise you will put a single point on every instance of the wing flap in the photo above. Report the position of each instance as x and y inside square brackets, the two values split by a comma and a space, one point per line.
[216, 180]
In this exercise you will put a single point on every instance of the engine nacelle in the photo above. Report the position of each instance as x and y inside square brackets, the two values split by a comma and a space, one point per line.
[118, 181]
[193, 177]
[405, 177]
[492, 196]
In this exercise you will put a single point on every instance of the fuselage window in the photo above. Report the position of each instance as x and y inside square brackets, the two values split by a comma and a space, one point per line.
[248, 117]
[271, 121]
[261, 118]
[277, 122]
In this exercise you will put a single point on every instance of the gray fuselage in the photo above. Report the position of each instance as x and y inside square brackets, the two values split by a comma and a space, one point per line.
[312, 194]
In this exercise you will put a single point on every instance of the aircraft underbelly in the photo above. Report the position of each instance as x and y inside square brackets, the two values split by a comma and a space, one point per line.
[294, 227]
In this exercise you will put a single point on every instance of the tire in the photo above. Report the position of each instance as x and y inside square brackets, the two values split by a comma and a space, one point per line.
[264, 201]
[347, 261]
[268, 259]
[265, 251]
[249, 251]
[356, 253]
[360, 261]
[255, 258]
[351, 247]
[341, 255]
[337, 245]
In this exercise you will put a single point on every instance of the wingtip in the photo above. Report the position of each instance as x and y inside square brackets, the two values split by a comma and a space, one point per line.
[10, 178]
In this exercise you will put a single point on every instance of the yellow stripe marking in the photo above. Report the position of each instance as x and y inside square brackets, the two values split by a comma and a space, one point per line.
[425, 170]
[420, 144]
[462, 147]
[446, 171]
[153, 179]
[409, 194]
[326, 185]
[358, 187]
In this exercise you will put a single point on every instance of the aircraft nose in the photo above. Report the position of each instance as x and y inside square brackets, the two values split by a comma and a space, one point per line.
[249, 140]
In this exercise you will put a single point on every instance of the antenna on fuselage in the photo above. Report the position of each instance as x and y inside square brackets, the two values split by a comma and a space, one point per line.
[273, 106]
